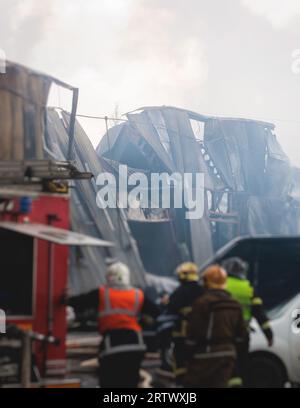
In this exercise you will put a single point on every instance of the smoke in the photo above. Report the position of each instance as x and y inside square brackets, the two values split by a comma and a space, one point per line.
[232, 58]
[23, 26]
[279, 13]
[165, 52]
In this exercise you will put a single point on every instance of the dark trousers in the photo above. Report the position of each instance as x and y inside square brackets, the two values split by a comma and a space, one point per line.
[241, 369]
[180, 358]
[120, 370]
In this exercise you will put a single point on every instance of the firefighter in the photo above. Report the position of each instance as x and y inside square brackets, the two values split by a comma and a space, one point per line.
[173, 321]
[118, 307]
[241, 290]
[215, 325]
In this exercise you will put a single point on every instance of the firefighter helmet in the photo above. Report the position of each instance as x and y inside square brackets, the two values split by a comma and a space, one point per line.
[118, 275]
[215, 277]
[236, 267]
[188, 272]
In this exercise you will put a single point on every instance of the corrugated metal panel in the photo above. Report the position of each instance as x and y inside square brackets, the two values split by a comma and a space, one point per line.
[168, 131]
[241, 159]
[23, 96]
[88, 265]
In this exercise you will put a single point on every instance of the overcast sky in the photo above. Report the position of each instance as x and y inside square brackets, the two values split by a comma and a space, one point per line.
[226, 57]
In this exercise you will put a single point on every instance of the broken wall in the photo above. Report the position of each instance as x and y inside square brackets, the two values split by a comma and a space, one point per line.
[88, 265]
[23, 98]
[245, 170]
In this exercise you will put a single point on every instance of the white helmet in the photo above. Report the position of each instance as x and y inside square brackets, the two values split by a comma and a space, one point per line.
[118, 275]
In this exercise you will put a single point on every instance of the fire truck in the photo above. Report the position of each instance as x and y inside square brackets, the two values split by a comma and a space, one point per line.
[35, 235]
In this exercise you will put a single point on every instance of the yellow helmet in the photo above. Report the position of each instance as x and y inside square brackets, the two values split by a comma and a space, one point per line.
[188, 272]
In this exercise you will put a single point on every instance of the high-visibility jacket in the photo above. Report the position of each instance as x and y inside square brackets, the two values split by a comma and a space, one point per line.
[242, 291]
[119, 309]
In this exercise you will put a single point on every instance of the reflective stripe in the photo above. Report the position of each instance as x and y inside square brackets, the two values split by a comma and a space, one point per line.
[185, 310]
[209, 330]
[235, 382]
[257, 301]
[216, 354]
[108, 311]
[119, 309]
[122, 349]
[183, 330]
[166, 321]
[116, 311]
[109, 349]
[106, 299]
[167, 325]
[266, 325]
[166, 318]
[180, 371]
[136, 301]
[176, 334]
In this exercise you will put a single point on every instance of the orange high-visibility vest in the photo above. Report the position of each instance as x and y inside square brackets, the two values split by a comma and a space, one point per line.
[119, 309]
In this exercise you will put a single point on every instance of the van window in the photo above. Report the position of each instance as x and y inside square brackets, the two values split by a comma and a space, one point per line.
[278, 271]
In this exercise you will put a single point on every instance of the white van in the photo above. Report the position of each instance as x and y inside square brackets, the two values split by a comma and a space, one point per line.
[278, 365]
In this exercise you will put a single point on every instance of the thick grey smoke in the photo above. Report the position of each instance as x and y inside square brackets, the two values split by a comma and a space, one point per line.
[230, 57]
[279, 13]
[23, 25]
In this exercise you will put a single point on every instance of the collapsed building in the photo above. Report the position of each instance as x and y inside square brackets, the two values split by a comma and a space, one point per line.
[39, 144]
[249, 183]
[250, 187]
[88, 264]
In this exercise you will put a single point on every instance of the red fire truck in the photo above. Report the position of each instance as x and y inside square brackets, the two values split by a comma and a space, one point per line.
[35, 237]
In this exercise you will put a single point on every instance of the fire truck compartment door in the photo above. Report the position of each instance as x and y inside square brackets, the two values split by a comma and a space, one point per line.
[55, 235]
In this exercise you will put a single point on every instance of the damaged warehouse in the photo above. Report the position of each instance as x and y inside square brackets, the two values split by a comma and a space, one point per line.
[249, 183]
[35, 141]
[250, 187]
[149, 198]
[68, 245]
